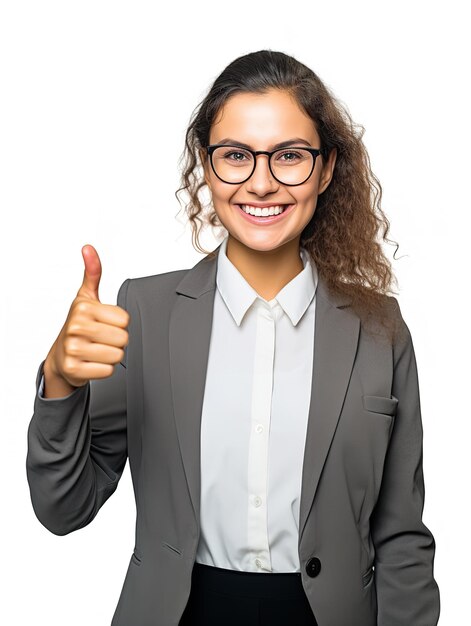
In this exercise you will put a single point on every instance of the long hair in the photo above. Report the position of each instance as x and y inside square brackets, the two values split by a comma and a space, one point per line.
[342, 238]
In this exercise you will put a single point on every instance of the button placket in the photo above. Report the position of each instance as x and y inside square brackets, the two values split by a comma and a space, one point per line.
[259, 438]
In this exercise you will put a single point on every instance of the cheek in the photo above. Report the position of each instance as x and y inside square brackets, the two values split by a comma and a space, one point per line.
[222, 194]
[221, 201]
[308, 193]
[307, 199]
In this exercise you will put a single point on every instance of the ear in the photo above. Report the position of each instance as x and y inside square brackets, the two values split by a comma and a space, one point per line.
[327, 171]
[206, 165]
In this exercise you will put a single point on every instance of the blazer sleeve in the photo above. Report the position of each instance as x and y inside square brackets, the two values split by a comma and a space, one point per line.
[77, 448]
[407, 592]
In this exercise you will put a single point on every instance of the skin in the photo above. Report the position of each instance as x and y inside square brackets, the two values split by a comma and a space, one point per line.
[267, 256]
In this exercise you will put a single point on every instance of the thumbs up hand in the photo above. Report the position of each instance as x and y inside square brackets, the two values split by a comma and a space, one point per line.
[92, 339]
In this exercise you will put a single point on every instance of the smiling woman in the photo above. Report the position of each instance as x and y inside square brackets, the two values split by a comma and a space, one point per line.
[274, 441]
[265, 249]
[268, 101]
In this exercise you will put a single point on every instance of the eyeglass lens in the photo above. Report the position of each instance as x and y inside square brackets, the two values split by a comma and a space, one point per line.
[291, 166]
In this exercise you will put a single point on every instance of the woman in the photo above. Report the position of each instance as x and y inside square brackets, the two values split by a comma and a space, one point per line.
[267, 398]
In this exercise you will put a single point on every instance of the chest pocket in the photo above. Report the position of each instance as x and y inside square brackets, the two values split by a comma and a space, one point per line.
[380, 404]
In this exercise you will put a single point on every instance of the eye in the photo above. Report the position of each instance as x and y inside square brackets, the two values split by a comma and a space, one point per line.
[239, 156]
[293, 156]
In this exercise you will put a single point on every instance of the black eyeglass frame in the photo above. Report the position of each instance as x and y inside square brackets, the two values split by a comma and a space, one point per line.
[314, 151]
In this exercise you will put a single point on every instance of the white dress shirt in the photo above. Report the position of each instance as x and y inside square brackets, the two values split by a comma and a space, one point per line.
[254, 421]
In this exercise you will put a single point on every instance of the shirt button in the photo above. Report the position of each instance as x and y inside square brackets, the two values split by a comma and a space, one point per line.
[257, 500]
[258, 563]
[259, 428]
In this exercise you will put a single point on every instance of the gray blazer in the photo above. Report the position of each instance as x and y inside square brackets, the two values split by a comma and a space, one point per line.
[366, 556]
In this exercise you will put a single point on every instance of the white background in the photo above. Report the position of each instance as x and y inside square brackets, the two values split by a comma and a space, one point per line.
[95, 100]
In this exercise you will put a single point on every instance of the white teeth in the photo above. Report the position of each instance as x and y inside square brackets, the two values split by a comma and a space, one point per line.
[257, 211]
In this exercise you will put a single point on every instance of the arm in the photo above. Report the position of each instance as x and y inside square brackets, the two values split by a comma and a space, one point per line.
[407, 592]
[77, 448]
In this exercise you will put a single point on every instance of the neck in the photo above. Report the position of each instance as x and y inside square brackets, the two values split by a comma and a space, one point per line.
[267, 271]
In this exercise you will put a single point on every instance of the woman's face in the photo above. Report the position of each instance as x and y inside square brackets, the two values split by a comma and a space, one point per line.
[261, 121]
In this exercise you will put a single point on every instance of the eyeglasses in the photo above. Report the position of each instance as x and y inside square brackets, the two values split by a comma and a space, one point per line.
[289, 166]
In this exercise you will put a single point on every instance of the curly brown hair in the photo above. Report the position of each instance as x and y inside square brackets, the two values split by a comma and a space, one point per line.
[342, 236]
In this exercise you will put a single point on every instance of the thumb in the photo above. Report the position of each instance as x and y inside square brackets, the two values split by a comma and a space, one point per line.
[92, 273]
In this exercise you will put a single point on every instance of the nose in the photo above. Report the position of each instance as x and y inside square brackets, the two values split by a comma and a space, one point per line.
[262, 182]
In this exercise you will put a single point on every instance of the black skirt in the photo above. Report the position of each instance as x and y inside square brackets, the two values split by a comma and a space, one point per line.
[234, 598]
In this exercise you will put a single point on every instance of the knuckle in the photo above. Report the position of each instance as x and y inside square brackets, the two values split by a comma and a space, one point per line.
[71, 345]
[82, 306]
[70, 365]
[74, 327]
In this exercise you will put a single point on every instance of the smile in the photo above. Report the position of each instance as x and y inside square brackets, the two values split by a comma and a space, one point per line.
[267, 215]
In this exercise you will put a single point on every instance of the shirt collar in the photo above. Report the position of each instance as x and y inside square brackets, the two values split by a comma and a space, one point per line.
[238, 295]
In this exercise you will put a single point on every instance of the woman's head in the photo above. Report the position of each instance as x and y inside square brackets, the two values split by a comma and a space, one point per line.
[266, 97]
[237, 181]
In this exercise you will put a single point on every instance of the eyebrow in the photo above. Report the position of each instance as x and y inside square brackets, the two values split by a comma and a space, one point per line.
[282, 144]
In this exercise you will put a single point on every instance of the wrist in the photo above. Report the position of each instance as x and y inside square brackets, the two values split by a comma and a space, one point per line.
[55, 385]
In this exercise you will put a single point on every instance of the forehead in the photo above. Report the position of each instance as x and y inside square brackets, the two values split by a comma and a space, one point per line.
[262, 118]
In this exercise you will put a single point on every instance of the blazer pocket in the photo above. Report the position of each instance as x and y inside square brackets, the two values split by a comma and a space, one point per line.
[172, 548]
[380, 404]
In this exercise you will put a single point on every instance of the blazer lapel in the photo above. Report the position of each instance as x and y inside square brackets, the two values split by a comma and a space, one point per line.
[336, 336]
[189, 336]
[335, 344]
